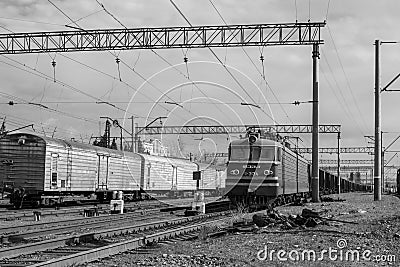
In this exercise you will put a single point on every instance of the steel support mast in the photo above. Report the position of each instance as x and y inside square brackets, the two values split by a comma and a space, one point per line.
[378, 148]
[315, 139]
[338, 162]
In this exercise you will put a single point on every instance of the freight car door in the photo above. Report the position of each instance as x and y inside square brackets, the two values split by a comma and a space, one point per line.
[67, 183]
[174, 177]
[102, 172]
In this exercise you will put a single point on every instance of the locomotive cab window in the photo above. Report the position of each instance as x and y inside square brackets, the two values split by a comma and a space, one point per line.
[239, 153]
[268, 153]
[252, 153]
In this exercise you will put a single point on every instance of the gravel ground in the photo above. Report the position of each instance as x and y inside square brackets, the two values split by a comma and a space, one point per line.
[375, 238]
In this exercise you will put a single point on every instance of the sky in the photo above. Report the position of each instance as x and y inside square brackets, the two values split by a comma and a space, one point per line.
[144, 80]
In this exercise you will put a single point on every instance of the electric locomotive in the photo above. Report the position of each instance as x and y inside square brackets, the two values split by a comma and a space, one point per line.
[261, 170]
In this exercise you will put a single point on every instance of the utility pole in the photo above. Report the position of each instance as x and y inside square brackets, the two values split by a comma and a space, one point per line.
[133, 134]
[378, 149]
[378, 175]
[108, 133]
[382, 166]
[297, 164]
[120, 143]
[338, 161]
[145, 127]
[315, 130]
[115, 123]
[136, 139]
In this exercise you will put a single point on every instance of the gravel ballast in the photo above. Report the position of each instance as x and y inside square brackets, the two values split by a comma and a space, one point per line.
[373, 241]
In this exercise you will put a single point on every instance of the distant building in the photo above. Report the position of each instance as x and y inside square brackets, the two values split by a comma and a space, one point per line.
[154, 147]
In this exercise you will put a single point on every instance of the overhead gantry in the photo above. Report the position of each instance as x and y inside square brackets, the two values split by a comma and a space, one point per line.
[274, 34]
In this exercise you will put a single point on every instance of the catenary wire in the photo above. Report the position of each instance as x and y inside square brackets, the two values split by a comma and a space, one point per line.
[222, 64]
[163, 59]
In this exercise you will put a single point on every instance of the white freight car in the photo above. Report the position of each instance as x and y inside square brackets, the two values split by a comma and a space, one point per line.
[162, 174]
[36, 169]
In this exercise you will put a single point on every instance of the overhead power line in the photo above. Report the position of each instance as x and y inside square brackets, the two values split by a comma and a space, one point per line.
[163, 59]
[49, 78]
[114, 55]
[222, 64]
[347, 79]
[23, 101]
[262, 74]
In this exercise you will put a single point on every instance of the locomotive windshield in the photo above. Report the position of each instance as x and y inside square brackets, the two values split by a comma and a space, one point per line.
[252, 153]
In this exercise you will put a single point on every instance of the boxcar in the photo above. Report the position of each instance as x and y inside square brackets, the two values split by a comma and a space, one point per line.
[295, 173]
[162, 174]
[39, 169]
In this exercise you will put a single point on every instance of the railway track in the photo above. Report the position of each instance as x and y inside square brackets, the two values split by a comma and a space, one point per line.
[103, 208]
[68, 211]
[22, 233]
[85, 247]
[53, 229]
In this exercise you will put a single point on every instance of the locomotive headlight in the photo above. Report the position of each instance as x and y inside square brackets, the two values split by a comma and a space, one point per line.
[268, 172]
[252, 139]
[235, 172]
[21, 140]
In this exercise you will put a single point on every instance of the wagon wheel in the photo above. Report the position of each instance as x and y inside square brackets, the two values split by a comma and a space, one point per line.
[16, 198]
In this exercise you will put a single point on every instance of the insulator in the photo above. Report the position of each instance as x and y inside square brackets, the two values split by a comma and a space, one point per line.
[11, 103]
[185, 59]
[117, 60]
[53, 63]
[262, 58]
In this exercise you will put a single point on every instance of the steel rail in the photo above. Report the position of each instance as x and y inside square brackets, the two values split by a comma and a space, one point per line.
[78, 225]
[84, 220]
[47, 228]
[15, 251]
[106, 251]
[4, 215]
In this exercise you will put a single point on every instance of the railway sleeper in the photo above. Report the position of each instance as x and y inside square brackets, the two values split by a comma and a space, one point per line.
[91, 240]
